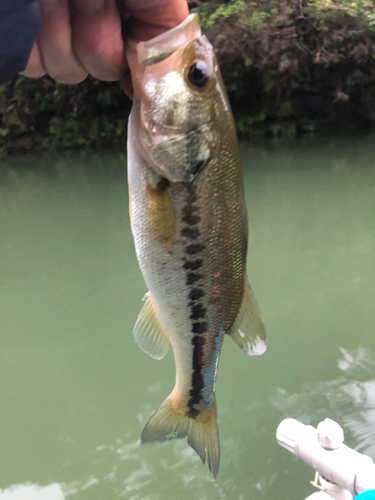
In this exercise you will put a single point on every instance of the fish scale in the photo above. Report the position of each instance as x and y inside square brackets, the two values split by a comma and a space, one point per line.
[189, 224]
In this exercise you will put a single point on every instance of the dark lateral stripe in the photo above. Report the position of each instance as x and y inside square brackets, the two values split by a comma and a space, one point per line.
[197, 311]
[191, 196]
[195, 248]
[189, 210]
[192, 220]
[193, 265]
[190, 232]
[197, 379]
[196, 294]
[192, 278]
[199, 327]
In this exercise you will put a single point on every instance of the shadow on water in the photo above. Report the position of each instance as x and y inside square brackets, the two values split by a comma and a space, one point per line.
[76, 391]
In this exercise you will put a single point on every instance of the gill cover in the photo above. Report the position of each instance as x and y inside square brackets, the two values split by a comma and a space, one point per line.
[175, 78]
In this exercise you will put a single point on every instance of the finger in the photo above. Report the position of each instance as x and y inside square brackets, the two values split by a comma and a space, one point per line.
[34, 68]
[97, 39]
[55, 43]
[151, 18]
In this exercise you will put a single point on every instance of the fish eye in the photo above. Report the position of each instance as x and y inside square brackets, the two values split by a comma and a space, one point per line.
[199, 74]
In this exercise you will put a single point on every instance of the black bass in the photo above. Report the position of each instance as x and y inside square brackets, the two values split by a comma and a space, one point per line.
[189, 224]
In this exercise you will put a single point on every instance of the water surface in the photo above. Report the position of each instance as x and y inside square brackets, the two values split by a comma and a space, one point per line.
[76, 391]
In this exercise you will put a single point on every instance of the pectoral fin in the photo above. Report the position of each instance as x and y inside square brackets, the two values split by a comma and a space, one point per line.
[161, 213]
[248, 330]
[148, 332]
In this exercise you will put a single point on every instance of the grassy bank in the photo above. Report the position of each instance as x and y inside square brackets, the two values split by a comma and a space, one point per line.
[291, 67]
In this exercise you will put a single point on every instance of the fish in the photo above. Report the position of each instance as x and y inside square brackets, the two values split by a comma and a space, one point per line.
[190, 229]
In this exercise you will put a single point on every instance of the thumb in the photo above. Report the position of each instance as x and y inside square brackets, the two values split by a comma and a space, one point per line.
[150, 18]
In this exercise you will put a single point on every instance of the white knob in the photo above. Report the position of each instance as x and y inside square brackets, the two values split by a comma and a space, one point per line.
[330, 434]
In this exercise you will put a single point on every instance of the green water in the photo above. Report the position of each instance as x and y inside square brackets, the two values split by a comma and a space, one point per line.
[75, 390]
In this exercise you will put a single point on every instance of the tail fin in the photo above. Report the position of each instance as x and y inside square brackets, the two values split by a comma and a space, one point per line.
[202, 432]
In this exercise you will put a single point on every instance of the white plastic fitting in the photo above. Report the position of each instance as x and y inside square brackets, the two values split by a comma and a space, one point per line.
[319, 495]
[327, 454]
[330, 434]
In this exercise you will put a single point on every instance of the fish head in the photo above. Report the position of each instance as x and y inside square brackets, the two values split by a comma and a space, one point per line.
[180, 93]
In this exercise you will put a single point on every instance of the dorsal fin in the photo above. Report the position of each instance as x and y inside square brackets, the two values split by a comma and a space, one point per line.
[248, 330]
[148, 332]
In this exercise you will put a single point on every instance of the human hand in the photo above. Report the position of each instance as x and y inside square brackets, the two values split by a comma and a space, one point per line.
[81, 37]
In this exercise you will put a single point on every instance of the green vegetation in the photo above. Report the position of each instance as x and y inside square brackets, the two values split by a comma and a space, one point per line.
[295, 67]
[42, 114]
[291, 67]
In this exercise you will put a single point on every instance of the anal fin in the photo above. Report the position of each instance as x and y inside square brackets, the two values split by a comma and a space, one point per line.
[148, 332]
[248, 330]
